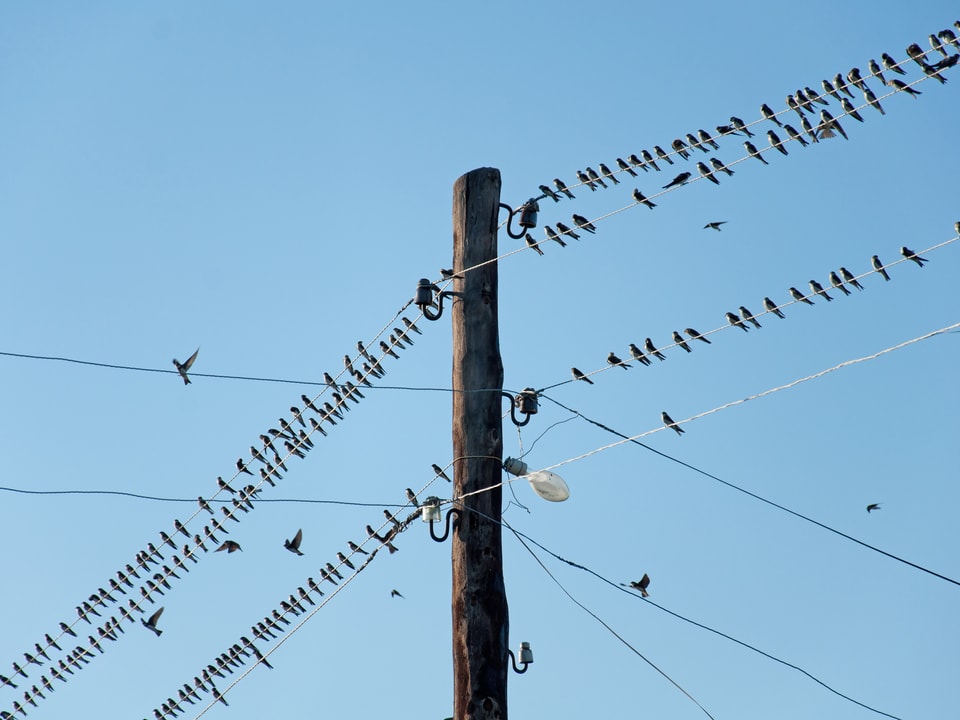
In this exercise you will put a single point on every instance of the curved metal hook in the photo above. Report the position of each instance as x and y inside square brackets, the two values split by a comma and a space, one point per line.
[513, 660]
[425, 297]
[446, 529]
[510, 221]
[513, 410]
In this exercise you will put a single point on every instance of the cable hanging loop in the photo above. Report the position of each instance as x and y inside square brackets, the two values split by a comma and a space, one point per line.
[528, 217]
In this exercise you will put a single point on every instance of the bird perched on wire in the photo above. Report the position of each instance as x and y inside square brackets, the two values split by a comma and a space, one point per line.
[641, 198]
[878, 266]
[776, 142]
[532, 244]
[769, 114]
[771, 306]
[652, 350]
[680, 342]
[578, 375]
[818, 289]
[230, 546]
[584, 224]
[563, 188]
[614, 360]
[549, 193]
[903, 87]
[850, 278]
[642, 584]
[736, 321]
[183, 367]
[638, 355]
[715, 225]
[799, 296]
[625, 166]
[748, 316]
[678, 180]
[151, 622]
[837, 282]
[911, 255]
[706, 173]
[294, 545]
[439, 472]
[669, 422]
[873, 506]
[696, 336]
[447, 274]
[752, 149]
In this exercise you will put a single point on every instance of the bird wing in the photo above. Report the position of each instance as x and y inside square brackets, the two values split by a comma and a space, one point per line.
[644, 581]
[155, 617]
[189, 361]
[295, 543]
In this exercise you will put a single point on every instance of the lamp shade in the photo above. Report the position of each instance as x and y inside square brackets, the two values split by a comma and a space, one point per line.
[549, 486]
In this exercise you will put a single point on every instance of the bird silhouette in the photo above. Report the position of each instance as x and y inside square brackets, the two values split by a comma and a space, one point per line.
[818, 289]
[668, 421]
[799, 296]
[911, 255]
[183, 367]
[642, 584]
[578, 375]
[736, 321]
[696, 336]
[230, 546]
[715, 225]
[151, 622]
[748, 316]
[439, 472]
[641, 198]
[837, 282]
[614, 360]
[395, 593]
[294, 545]
[649, 347]
[771, 306]
[678, 339]
[532, 244]
[873, 506]
[878, 266]
[678, 180]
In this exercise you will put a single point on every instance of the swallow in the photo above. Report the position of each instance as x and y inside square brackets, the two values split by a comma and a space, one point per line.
[343, 559]
[715, 225]
[578, 375]
[183, 367]
[549, 193]
[734, 320]
[438, 472]
[648, 160]
[241, 467]
[638, 355]
[585, 180]
[771, 306]
[532, 244]
[873, 506]
[187, 554]
[333, 571]
[748, 317]
[678, 339]
[794, 135]
[552, 235]
[678, 180]
[916, 53]
[642, 199]
[808, 129]
[410, 325]
[680, 147]
[947, 62]
[947, 36]
[151, 622]
[911, 255]
[386, 348]
[830, 89]
[814, 97]
[625, 166]
[217, 695]
[803, 101]
[818, 289]
[872, 100]
[652, 350]
[51, 642]
[892, 65]
[67, 629]
[356, 548]
[769, 114]
[198, 542]
[668, 421]
[751, 148]
[827, 122]
[230, 546]
[705, 138]
[837, 283]
[933, 71]
[876, 71]
[878, 266]
[694, 142]
[720, 167]
[390, 518]
[694, 335]
[592, 174]
[637, 162]
[294, 545]
[614, 360]
[738, 124]
[564, 230]
[705, 172]
[794, 105]
[661, 153]
[776, 142]
[854, 77]
[902, 86]
[396, 593]
[584, 224]
[727, 130]
[260, 657]
[841, 85]
[850, 110]
[849, 278]
[608, 173]
[381, 540]
[4, 680]
[558, 183]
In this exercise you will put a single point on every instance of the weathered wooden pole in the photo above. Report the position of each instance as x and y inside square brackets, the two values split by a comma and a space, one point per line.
[480, 622]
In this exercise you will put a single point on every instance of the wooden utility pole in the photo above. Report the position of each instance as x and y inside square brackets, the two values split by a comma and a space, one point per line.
[480, 623]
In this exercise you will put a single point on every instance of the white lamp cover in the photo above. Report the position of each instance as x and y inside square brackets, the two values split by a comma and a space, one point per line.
[549, 486]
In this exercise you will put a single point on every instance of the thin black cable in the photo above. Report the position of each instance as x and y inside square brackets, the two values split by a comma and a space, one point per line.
[684, 618]
[753, 495]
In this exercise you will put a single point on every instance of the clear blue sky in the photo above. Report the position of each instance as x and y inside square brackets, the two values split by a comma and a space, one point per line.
[269, 183]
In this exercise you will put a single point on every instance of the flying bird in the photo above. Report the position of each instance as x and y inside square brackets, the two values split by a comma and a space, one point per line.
[395, 593]
[668, 421]
[642, 584]
[771, 306]
[578, 375]
[873, 506]
[649, 347]
[641, 198]
[736, 321]
[678, 180]
[294, 545]
[837, 282]
[715, 225]
[818, 289]
[748, 316]
[696, 336]
[614, 360]
[878, 266]
[230, 546]
[183, 367]
[911, 255]
[752, 149]
[151, 622]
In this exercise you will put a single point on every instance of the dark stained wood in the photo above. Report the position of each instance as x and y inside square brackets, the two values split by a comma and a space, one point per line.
[480, 620]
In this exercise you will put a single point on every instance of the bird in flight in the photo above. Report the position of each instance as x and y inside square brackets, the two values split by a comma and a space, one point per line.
[294, 545]
[642, 584]
[151, 622]
[715, 225]
[396, 593]
[230, 546]
[873, 506]
[183, 367]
